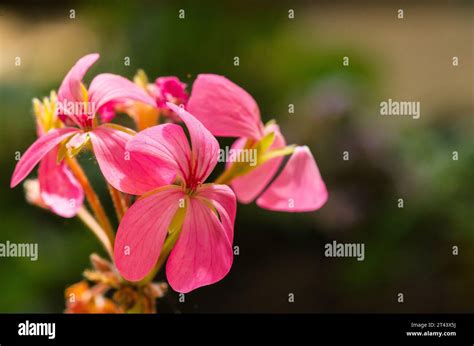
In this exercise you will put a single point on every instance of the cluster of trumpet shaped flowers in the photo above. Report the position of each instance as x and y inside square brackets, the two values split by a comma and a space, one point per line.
[170, 211]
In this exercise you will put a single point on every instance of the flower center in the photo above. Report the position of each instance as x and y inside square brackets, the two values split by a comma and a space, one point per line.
[192, 186]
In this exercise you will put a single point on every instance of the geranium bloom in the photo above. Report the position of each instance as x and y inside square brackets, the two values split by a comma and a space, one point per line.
[170, 89]
[165, 89]
[77, 108]
[203, 213]
[57, 188]
[228, 110]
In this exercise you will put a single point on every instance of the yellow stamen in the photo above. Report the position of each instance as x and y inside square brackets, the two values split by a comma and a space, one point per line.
[141, 79]
[45, 112]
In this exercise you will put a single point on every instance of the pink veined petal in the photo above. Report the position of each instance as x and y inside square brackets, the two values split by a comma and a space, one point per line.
[108, 87]
[203, 253]
[142, 231]
[37, 151]
[59, 189]
[223, 199]
[130, 173]
[298, 188]
[204, 146]
[249, 186]
[224, 108]
[166, 142]
[70, 87]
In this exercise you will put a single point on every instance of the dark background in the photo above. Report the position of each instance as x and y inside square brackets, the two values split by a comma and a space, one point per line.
[282, 61]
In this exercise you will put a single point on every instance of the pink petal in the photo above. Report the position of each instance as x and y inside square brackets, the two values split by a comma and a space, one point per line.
[70, 87]
[223, 199]
[142, 231]
[298, 188]
[204, 146]
[249, 186]
[108, 87]
[225, 108]
[166, 142]
[169, 143]
[37, 150]
[59, 189]
[131, 173]
[203, 253]
[107, 111]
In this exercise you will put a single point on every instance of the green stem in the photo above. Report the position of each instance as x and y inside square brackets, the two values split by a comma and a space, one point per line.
[226, 177]
[90, 222]
[92, 197]
[165, 251]
[118, 201]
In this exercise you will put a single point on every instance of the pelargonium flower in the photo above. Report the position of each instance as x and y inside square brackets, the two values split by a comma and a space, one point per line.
[58, 189]
[77, 107]
[200, 215]
[165, 89]
[170, 89]
[228, 110]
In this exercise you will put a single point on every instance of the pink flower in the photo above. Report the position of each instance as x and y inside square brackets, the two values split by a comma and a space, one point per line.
[228, 110]
[203, 213]
[170, 89]
[165, 89]
[57, 188]
[77, 108]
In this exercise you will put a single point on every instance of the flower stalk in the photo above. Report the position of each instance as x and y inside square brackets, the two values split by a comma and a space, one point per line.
[118, 200]
[92, 198]
[174, 231]
[90, 222]
[165, 251]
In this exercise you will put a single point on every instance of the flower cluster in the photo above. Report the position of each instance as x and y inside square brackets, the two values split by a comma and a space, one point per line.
[167, 209]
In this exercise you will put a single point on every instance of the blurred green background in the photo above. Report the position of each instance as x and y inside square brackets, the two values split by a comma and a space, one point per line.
[282, 61]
